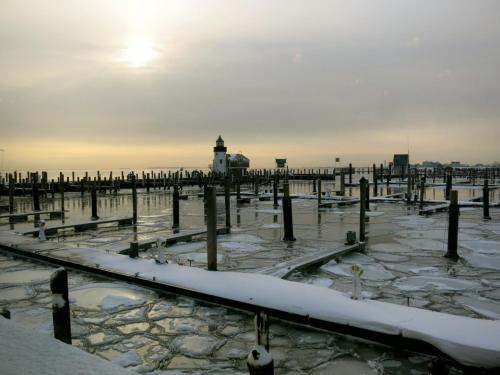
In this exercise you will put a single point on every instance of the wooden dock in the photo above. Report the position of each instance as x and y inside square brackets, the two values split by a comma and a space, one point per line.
[24, 215]
[79, 227]
[184, 236]
[439, 206]
[284, 269]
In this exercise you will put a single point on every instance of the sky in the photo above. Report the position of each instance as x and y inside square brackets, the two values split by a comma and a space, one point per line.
[136, 84]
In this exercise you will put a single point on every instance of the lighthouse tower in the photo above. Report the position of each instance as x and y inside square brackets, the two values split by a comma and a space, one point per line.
[220, 160]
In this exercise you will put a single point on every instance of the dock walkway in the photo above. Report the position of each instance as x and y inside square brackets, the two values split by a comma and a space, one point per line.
[24, 215]
[284, 269]
[79, 227]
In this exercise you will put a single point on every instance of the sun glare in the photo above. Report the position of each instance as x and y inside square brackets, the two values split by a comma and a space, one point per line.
[139, 52]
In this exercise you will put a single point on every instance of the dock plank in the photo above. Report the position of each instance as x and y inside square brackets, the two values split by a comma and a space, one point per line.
[284, 269]
[91, 224]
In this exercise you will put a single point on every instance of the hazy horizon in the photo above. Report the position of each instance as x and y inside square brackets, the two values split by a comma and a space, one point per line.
[104, 84]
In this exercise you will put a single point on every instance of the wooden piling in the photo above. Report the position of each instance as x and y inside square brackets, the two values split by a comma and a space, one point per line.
[259, 360]
[350, 174]
[422, 191]
[453, 214]
[486, 201]
[93, 194]
[211, 228]
[36, 196]
[275, 192]
[61, 191]
[60, 305]
[175, 209]
[319, 192]
[449, 185]
[134, 200]
[342, 183]
[362, 208]
[11, 194]
[287, 213]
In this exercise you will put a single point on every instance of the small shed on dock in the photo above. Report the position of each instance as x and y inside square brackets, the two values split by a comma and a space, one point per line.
[400, 164]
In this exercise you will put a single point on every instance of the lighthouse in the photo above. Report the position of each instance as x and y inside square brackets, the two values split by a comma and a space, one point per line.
[220, 158]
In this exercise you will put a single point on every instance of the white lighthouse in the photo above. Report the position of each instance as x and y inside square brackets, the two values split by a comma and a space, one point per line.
[220, 158]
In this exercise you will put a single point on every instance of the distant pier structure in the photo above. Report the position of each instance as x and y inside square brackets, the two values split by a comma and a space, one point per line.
[226, 164]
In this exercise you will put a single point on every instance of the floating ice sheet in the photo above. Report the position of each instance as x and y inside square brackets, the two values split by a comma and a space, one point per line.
[414, 283]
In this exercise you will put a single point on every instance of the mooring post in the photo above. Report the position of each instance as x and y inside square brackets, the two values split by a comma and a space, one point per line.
[422, 191]
[61, 191]
[486, 201]
[134, 200]
[342, 183]
[259, 360]
[449, 186]
[350, 174]
[211, 228]
[11, 194]
[82, 187]
[408, 185]
[93, 197]
[238, 189]
[287, 213]
[175, 209]
[275, 192]
[36, 197]
[227, 203]
[362, 208]
[134, 249]
[60, 305]
[319, 192]
[375, 181]
[453, 214]
[356, 271]
[41, 231]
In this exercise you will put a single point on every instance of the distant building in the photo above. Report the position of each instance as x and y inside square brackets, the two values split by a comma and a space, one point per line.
[400, 164]
[228, 163]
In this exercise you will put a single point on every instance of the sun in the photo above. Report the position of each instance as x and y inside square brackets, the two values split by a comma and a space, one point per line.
[139, 53]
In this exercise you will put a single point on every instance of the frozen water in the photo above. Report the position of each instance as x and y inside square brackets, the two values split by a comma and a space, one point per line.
[435, 283]
[241, 246]
[16, 293]
[25, 277]
[322, 282]
[482, 306]
[196, 346]
[373, 272]
[128, 359]
[107, 296]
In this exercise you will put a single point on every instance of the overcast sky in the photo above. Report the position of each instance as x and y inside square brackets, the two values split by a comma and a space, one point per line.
[109, 84]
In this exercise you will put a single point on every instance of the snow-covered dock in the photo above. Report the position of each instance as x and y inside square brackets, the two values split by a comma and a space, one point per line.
[284, 269]
[143, 245]
[469, 341]
[30, 352]
[78, 227]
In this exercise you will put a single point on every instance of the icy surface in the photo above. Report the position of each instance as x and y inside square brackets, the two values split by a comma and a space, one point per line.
[29, 352]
